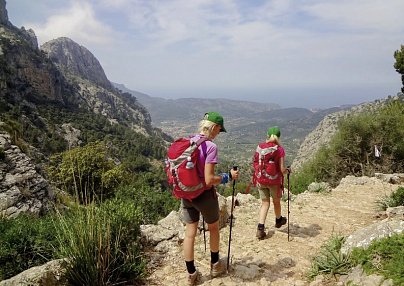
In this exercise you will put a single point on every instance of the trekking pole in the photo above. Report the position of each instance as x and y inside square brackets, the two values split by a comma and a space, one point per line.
[231, 220]
[288, 201]
[204, 231]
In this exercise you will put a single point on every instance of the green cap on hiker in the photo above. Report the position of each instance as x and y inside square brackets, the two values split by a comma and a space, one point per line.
[274, 131]
[215, 118]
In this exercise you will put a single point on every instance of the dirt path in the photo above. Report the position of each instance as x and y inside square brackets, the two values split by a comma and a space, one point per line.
[275, 261]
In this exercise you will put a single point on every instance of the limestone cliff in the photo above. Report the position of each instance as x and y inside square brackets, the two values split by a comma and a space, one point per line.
[3, 13]
[77, 60]
[82, 70]
[24, 71]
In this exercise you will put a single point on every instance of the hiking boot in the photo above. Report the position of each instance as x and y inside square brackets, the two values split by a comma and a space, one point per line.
[281, 221]
[193, 278]
[218, 268]
[261, 233]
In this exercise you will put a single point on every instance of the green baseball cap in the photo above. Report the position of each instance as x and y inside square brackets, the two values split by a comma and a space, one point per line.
[215, 118]
[274, 131]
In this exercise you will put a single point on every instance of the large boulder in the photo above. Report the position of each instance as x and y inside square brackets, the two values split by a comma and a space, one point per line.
[365, 236]
[49, 274]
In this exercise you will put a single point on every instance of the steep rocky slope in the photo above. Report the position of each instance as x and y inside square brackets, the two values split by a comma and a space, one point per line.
[314, 218]
[83, 71]
[51, 100]
[322, 134]
[64, 74]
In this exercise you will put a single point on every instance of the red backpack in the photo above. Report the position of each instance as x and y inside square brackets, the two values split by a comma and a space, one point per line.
[266, 165]
[181, 168]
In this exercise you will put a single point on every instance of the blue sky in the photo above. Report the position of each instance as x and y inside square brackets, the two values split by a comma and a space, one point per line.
[312, 53]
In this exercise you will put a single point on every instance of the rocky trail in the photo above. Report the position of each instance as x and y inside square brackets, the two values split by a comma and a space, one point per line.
[314, 218]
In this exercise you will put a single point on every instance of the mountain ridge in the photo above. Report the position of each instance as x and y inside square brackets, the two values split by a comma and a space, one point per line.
[246, 122]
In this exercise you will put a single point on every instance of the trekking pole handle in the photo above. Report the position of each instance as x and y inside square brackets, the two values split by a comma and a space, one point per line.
[235, 169]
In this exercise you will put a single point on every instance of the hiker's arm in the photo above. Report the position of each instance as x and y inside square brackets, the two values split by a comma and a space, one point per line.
[284, 170]
[210, 177]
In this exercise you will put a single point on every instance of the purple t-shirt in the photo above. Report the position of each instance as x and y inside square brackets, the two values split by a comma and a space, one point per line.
[207, 154]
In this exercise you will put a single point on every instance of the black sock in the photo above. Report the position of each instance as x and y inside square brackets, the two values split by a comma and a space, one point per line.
[190, 266]
[214, 257]
[261, 226]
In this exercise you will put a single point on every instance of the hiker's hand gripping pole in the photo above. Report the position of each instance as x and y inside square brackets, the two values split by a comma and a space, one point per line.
[231, 219]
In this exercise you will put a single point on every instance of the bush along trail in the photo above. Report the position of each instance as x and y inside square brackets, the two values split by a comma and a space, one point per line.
[314, 219]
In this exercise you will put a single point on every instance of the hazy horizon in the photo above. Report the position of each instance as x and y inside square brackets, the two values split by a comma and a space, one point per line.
[310, 103]
[312, 54]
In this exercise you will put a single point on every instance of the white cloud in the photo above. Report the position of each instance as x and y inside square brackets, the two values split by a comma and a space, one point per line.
[187, 45]
[361, 15]
[78, 22]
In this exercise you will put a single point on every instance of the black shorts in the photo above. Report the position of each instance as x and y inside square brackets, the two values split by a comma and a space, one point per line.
[206, 204]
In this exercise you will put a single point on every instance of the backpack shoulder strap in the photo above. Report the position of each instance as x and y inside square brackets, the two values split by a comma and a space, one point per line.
[201, 140]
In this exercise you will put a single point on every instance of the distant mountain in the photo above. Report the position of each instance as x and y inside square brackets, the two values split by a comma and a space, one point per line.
[245, 121]
[162, 109]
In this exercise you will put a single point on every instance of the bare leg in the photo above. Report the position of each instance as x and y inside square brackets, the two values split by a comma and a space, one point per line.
[264, 210]
[189, 240]
[214, 236]
[277, 207]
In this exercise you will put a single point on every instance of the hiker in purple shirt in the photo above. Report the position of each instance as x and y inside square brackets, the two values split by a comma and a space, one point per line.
[206, 203]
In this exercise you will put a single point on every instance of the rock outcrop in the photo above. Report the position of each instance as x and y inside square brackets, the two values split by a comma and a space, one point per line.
[362, 238]
[22, 188]
[30, 36]
[3, 13]
[77, 60]
[24, 71]
[49, 274]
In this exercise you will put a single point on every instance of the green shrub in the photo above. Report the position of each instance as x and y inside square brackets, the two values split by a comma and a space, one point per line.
[101, 244]
[394, 200]
[398, 197]
[384, 257]
[301, 180]
[155, 204]
[25, 242]
[85, 172]
[330, 260]
[351, 150]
